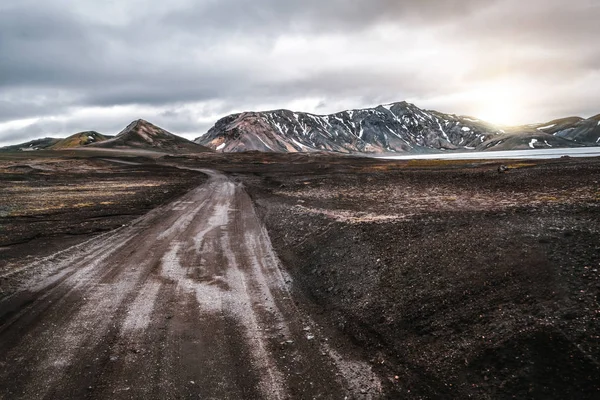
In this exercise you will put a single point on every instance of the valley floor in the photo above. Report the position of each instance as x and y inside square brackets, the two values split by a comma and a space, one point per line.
[292, 276]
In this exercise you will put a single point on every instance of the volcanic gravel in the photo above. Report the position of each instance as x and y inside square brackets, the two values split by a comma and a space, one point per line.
[459, 281]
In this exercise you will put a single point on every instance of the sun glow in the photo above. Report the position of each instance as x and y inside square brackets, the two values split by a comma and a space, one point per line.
[498, 104]
[499, 113]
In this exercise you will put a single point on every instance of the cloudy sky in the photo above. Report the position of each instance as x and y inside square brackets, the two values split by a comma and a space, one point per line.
[73, 65]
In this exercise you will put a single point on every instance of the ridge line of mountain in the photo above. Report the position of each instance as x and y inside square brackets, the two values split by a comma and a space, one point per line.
[399, 127]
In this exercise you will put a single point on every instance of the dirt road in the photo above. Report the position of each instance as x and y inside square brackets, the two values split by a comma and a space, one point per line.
[187, 302]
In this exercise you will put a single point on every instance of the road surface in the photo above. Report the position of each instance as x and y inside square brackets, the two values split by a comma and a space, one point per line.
[187, 302]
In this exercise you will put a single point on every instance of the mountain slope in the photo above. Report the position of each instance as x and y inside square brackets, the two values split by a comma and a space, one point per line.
[526, 141]
[586, 131]
[37, 144]
[142, 134]
[397, 127]
[79, 139]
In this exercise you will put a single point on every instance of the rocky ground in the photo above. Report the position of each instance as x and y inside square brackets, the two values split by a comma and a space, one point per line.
[461, 282]
[49, 203]
[456, 281]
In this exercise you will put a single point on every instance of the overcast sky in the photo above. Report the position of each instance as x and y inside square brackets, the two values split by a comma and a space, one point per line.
[73, 65]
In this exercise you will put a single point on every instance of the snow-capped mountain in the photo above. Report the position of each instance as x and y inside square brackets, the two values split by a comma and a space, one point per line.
[397, 127]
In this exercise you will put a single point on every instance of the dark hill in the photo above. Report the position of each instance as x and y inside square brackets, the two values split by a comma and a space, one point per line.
[142, 134]
[37, 144]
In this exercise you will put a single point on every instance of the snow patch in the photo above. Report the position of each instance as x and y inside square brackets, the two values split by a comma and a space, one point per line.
[541, 128]
[220, 147]
[531, 144]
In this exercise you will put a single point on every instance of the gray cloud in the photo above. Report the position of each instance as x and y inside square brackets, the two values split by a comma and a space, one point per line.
[268, 16]
[183, 63]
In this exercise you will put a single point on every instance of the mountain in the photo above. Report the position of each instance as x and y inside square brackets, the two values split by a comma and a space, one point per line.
[142, 134]
[79, 139]
[563, 132]
[37, 144]
[585, 131]
[526, 140]
[396, 127]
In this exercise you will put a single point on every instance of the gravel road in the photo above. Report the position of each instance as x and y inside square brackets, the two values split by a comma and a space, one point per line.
[189, 301]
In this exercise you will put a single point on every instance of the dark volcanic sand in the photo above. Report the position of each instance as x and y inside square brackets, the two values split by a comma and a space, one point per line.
[459, 281]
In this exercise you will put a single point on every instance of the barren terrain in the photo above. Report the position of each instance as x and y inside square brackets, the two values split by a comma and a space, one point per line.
[187, 301]
[51, 201]
[294, 276]
[462, 282]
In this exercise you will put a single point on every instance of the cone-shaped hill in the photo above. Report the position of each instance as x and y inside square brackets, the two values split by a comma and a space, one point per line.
[142, 134]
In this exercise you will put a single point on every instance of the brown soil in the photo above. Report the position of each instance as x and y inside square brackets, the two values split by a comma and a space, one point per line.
[49, 203]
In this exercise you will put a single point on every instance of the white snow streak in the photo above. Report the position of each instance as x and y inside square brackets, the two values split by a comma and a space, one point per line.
[263, 142]
[546, 127]
[302, 146]
[442, 129]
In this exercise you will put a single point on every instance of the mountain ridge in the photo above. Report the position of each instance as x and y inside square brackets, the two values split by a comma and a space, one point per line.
[32, 145]
[139, 134]
[398, 127]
